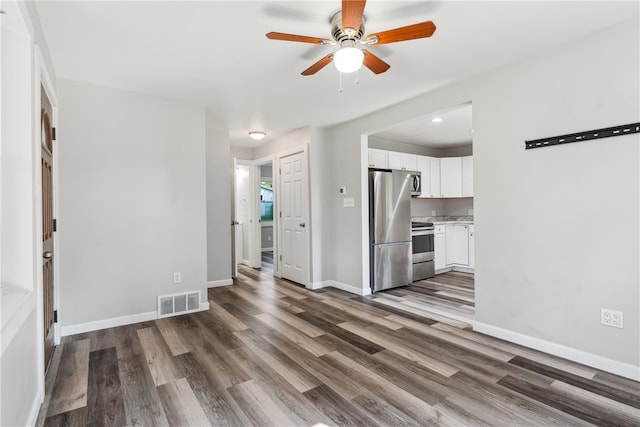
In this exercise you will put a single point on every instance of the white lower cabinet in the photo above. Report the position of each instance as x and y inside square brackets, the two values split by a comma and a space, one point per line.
[457, 238]
[454, 247]
[440, 247]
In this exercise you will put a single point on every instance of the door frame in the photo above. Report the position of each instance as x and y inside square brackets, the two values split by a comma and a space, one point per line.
[257, 224]
[253, 261]
[304, 149]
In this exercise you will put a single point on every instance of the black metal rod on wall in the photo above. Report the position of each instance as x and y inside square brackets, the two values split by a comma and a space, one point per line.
[583, 136]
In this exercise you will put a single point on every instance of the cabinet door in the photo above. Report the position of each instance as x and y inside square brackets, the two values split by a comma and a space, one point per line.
[472, 251]
[457, 244]
[410, 162]
[451, 176]
[424, 167]
[378, 158]
[435, 177]
[395, 160]
[467, 176]
[402, 161]
[439, 252]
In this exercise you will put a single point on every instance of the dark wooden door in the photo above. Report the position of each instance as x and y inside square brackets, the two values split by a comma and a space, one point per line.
[47, 226]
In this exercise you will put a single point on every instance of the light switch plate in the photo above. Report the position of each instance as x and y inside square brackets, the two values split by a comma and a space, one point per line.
[349, 202]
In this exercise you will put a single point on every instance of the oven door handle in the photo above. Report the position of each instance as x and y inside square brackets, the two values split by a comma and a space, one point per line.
[421, 232]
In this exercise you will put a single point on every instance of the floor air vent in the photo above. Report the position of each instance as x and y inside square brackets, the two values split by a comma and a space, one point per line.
[175, 304]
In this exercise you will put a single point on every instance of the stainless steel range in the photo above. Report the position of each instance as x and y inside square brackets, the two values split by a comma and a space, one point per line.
[422, 247]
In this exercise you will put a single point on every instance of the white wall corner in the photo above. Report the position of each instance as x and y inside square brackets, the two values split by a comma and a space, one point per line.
[319, 285]
[609, 365]
[204, 306]
[348, 288]
[217, 283]
[35, 408]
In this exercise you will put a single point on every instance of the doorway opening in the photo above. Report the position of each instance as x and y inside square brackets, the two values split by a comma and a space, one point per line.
[271, 215]
[439, 146]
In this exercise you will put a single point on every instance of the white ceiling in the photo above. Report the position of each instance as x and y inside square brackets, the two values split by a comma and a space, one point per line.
[215, 53]
[454, 130]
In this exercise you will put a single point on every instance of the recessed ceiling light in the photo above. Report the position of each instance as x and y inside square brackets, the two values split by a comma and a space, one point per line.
[436, 120]
[257, 135]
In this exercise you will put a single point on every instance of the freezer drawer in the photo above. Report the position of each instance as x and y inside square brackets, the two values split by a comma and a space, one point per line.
[392, 266]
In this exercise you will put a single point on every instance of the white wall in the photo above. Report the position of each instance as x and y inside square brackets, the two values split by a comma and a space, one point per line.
[218, 211]
[132, 201]
[543, 269]
[21, 355]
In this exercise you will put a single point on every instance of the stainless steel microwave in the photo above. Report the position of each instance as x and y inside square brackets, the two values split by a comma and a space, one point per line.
[415, 180]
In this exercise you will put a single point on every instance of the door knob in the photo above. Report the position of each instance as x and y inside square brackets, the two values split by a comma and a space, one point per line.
[47, 255]
[302, 224]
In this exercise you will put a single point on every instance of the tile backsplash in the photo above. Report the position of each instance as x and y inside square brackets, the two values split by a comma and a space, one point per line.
[442, 207]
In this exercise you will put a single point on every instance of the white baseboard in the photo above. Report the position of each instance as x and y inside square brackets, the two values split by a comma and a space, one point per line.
[35, 408]
[609, 365]
[216, 283]
[463, 269]
[116, 321]
[455, 268]
[319, 285]
[108, 323]
[339, 285]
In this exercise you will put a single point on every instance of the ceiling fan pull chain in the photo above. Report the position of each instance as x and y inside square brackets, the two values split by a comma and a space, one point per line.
[340, 89]
[357, 77]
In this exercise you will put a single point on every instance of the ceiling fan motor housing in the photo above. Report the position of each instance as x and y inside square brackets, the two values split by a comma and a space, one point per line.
[339, 36]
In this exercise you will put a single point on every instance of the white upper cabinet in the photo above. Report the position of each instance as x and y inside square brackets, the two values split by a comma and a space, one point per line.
[403, 161]
[424, 167]
[435, 177]
[429, 168]
[467, 176]
[441, 177]
[378, 158]
[451, 177]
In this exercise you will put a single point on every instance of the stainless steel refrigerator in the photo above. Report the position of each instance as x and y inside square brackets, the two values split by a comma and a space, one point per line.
[389, 229]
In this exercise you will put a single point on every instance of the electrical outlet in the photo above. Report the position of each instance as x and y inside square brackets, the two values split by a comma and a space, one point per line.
[611, 318]
[177, 277]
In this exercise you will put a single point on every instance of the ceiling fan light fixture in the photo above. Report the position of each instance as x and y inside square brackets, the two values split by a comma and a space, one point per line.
[348, 59]
[257, 135]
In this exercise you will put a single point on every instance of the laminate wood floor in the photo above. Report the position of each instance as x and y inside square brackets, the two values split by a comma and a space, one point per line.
[271, 353]
[450, 294]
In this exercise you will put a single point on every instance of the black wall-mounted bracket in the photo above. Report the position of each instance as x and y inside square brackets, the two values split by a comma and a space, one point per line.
[583, 136]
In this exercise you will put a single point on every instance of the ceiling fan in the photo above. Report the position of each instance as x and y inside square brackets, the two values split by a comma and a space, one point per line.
[347, 30]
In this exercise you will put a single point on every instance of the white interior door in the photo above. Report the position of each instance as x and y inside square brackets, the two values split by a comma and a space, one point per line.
[293, 215]
[244, 214]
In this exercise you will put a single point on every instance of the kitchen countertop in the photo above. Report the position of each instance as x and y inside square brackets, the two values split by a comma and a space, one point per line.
[438, 220]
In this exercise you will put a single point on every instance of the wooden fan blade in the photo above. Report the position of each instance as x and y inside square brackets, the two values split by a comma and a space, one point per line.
[352, 11]
[410, 32]
[318, 65]
[296, 38]
[374, 63]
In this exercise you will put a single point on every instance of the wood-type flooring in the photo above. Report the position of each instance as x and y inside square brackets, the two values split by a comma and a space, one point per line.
[271, 353]
[449, 294]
